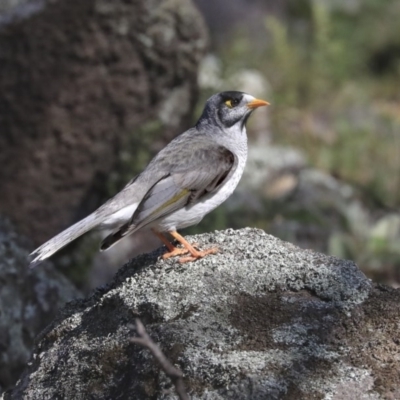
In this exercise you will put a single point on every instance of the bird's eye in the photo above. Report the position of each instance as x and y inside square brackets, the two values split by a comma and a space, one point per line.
[232, 103]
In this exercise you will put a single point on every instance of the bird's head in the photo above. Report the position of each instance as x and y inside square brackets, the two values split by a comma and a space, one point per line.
[227, 109]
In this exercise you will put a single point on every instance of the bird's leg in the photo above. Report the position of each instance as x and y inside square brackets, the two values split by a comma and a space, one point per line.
[194, 254]
[172, 250]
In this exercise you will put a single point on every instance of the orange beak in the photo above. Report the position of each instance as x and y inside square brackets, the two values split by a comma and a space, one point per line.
[257, 103]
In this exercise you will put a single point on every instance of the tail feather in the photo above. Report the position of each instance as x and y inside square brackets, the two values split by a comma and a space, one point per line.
[114, 237]
[62, 239]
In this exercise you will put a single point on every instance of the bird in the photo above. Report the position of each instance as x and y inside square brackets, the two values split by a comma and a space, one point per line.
[187, 179]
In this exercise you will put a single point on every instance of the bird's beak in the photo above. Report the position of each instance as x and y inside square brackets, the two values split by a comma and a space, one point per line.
[257, 103]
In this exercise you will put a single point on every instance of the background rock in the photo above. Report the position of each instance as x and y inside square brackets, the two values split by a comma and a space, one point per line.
[78, 82]
[261, 319]
[29, 300]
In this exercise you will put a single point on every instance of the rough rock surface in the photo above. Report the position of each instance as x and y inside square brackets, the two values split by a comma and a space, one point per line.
[262, 319]
[29, 300]
[78, 80]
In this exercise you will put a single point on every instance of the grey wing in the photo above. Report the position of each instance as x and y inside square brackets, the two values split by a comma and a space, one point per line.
[200, 169]
[133, 192]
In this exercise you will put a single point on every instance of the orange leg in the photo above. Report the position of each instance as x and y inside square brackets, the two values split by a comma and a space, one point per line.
[172, 250]
[194, 254]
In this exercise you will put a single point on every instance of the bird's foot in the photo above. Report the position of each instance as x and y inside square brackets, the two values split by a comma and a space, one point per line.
[198, 254]
[174, 252]
[193, 249]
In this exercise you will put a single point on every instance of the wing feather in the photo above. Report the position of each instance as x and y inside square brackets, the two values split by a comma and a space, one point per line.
[164, 198]
[186, 184]
[185, 175]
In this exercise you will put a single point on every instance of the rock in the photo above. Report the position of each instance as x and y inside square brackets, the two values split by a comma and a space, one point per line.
[7, 5]
[266, 162]
[269, 180]
[88, 88]
[325, 205]
[29, 300]
[262, 319]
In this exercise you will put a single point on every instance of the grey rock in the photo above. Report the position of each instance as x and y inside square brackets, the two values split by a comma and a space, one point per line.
[266, 168]
[265, 162]
[29, 300]
[11, 10]
[262, 319]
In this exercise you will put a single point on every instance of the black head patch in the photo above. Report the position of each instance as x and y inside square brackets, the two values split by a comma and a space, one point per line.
[232, 96]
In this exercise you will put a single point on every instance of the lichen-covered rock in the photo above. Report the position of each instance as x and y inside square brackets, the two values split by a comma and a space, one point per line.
[88, 88]
[262, 319]
[29, 300]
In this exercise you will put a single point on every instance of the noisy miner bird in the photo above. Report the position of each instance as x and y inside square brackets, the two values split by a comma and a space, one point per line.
[192, 175]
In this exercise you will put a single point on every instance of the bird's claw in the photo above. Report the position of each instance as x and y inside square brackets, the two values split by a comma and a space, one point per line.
[198, 254]
[174, 252]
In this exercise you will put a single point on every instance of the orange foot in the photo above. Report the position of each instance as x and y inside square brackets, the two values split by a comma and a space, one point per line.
[198, 254]
[174, 252]
[194, 254]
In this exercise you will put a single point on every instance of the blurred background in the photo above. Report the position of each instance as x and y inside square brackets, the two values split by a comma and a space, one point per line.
[90, 91]
[324, 165]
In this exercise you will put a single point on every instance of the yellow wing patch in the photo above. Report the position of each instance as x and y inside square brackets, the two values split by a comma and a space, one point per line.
[173, 200]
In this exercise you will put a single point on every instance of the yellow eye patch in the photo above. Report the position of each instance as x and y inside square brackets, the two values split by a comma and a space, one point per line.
[229, 103]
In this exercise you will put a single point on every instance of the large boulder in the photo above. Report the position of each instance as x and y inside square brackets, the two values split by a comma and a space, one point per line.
[29, 300]
[262, 319]
[88, 87]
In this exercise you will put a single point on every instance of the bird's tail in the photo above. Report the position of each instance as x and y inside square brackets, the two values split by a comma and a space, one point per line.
[62, 239]
[115, 237]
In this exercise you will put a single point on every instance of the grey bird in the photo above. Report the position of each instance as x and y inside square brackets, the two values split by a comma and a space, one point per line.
[191, 176]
